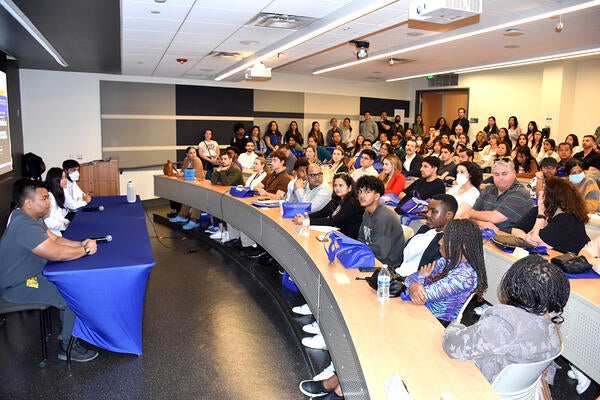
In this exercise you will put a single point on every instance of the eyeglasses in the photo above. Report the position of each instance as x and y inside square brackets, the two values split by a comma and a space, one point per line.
[315, 175]
[503, 159]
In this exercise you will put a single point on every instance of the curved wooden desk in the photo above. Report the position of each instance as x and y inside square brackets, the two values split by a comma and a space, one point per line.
[368, 341]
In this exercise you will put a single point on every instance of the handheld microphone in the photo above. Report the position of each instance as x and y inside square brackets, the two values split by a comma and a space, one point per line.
[107, 238]
[99, 208]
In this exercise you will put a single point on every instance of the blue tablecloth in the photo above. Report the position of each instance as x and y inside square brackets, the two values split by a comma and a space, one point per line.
[106, 291]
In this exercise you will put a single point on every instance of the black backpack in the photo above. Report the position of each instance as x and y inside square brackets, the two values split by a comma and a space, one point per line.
[33, 166]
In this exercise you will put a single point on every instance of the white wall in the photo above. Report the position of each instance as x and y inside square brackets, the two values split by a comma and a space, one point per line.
[533, 93]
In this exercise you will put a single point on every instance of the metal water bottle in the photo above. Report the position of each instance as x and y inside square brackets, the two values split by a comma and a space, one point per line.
[130, 192]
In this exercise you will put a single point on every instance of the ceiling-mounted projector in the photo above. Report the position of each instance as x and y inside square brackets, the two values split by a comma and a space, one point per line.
[258, 72]
[443, 11]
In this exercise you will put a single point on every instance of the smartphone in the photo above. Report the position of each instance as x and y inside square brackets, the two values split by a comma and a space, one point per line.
[366, 269]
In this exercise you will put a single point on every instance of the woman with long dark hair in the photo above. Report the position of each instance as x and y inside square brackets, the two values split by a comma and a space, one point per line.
[343, 211]
[442, 127]
[513, 129]
[272, 136]
[56, 183]
[531, 129]
[525, 164]
[491, 126]
[561, 218]
[521, 142]
[315, 132]
[417, 127]
[444, 285]
[536, 143]
[294, 132]
[522, 329]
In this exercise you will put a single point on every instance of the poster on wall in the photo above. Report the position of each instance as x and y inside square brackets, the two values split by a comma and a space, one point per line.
[400, 112]
[5, 153]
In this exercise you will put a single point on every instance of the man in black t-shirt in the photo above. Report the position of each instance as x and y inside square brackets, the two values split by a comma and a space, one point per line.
[425, 187]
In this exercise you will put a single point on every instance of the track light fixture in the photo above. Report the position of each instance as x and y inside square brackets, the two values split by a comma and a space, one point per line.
[361, 48]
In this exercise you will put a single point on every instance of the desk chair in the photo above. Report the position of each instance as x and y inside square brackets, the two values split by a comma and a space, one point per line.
[464, 307]
[45, 329]
[522, 381]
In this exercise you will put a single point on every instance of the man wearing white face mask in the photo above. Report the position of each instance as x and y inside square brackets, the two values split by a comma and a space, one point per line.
[74, 196]
[586, 186]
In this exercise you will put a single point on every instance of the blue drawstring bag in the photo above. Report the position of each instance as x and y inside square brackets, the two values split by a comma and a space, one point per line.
[242, 191]
[293, 208]
[350, 252]
[189, 174]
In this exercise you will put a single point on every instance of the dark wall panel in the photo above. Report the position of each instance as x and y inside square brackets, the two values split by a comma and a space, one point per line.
[377, 106]
[190, 132]
[203, 100]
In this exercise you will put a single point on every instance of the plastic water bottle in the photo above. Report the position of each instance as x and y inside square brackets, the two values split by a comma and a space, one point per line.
[383, 284]
[306, 225]
[130, 192]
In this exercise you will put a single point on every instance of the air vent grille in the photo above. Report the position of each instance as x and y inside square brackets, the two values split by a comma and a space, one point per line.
[443, 80]
[281, 21]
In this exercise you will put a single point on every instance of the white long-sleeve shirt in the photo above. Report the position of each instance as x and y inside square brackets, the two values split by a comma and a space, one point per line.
[55, 220]
[74, 196]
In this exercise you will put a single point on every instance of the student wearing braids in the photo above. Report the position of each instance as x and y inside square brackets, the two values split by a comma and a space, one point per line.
[522, 329]
[445, 284]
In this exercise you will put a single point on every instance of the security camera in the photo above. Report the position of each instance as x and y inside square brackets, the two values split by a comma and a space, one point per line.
[559, 27]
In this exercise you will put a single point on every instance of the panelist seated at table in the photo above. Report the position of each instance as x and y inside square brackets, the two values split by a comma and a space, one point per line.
[521, 330]
[380, 228]
[558, 222]
[444, 285]
[343, 211]
[424, 247]
[26, 246]
[187, 214]
[501, 205]
[74, 197]
[56, 182]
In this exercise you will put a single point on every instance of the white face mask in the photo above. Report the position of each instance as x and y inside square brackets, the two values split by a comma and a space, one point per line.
[577, 178]
[461, 179]
[419, 142]
[74, 176]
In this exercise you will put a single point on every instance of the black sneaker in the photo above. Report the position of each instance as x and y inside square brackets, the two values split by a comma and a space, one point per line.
[78, 353]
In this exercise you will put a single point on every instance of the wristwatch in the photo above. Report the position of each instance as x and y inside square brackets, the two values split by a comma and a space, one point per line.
[540, 216]
[87, 250]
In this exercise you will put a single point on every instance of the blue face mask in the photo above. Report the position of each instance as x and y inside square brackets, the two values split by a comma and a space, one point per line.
[577, 178]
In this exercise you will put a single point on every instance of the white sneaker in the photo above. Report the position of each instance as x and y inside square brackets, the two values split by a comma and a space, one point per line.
[313, 329]
[479, 310]
[315, 342]
[583, 382]
[327, 373]
[302, 310]
[217, 235]
[225, 237]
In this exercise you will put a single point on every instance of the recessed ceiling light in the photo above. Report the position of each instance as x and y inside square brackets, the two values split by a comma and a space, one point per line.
[155, 12]
[512, 46]
[512, 32]
[249, 42]
[414, 33]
